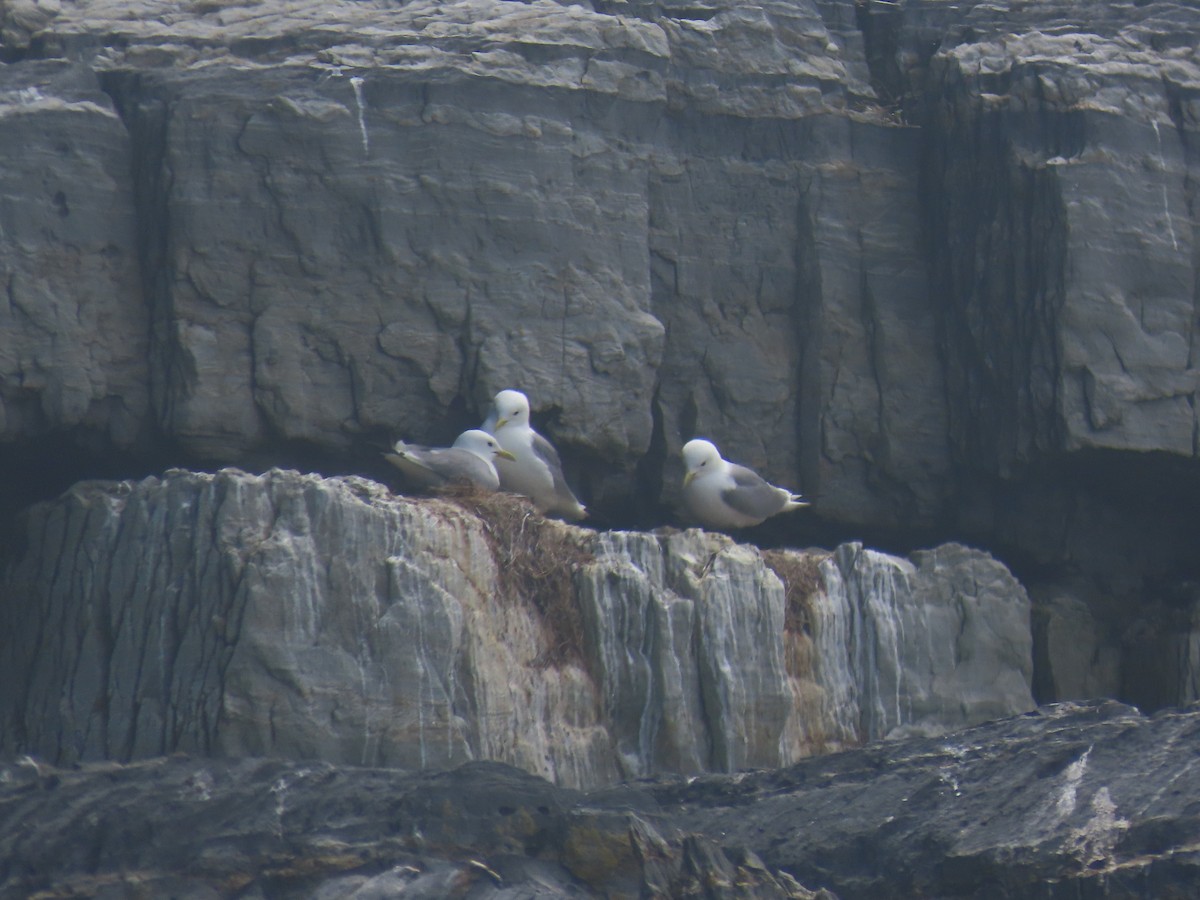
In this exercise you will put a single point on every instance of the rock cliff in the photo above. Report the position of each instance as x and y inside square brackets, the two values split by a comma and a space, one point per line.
[933, 263]
[291, 615]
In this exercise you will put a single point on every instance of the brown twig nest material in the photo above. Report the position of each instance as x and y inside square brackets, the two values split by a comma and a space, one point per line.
[537, 559]
[801, 577]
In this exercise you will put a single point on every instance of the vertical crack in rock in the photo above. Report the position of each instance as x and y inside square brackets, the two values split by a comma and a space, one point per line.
[999, 253]
[880, 25]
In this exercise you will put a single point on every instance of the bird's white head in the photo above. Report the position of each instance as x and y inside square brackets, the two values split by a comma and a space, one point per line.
[481, 444]
[700, 456]
[511, 408]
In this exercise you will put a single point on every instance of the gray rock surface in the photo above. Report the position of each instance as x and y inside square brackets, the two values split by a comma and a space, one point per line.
[311, 618]
[931, 263]
[73, 328]
[938, 642]
[1072, 801]
[273, 829]
[1077, 137]
[1077, 659]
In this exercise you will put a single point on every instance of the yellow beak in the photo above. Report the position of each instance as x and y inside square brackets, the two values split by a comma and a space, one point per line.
[504, 454]
[687, 479]
[500, 423]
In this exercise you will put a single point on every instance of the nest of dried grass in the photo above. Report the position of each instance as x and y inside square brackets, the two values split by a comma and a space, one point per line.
[801, 577]
[537, 559]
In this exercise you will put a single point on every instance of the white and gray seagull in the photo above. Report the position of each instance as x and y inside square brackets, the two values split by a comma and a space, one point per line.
[470, 460]
[721, 494]
[536, 471]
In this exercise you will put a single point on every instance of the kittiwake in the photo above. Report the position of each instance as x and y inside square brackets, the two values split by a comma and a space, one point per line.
[471, 459]
[536, 472]
[721, 494]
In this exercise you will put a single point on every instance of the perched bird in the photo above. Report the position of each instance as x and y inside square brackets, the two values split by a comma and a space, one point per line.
[471, 459]
[536, 471]
[721, 494]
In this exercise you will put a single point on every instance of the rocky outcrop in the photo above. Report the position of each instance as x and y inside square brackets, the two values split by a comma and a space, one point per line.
[1073, 801]
[292, 615]
[73, 337]
[275, 829]
[1080, 335]
[933, 264]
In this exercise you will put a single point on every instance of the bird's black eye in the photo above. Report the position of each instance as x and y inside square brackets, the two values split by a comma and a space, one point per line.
[705, 463]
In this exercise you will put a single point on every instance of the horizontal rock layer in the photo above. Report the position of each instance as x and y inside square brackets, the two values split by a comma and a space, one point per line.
[1072, 801]
[292, 615]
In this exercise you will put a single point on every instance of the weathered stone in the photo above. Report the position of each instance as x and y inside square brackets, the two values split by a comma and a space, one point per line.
[293, 615]
[1072, 801]
[20, 20]
[1077, 335]
[1073, 657]
[929, 645]
[367, 222]
[1161, 651]
[914, 259]
[73, 329]
[268, 828]
[933, 263]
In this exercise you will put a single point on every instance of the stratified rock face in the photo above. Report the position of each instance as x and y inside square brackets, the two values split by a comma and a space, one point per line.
[932, 263]
[939, 642]
[367, 217]
[73, 328]
[1076, 658]
[292, 615]
[1065, 155]
[1070, 802]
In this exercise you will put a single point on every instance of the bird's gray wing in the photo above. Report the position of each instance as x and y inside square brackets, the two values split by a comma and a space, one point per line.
[544, 450]
[546, 453]
[751, 495]
[436, 466]
[457, 464]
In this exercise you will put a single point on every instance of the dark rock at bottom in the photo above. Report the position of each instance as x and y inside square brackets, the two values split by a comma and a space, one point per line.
[197, 828]
[1074, 800]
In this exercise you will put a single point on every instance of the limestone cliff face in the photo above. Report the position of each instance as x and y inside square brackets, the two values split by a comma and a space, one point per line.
[934, 264]
[291, 615]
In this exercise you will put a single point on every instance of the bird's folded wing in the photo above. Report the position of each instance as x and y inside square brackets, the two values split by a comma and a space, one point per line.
[544, 450]
[751, 495]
